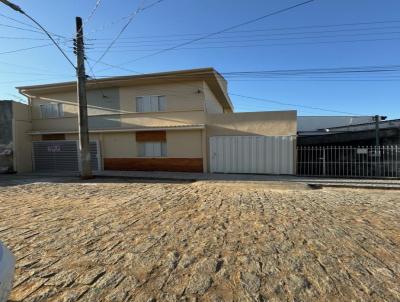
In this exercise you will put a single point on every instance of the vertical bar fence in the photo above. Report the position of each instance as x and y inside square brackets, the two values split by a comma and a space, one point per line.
[349, 161]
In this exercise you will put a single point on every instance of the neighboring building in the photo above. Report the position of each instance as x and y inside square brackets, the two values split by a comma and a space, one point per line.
[363, 134]
[172, 121]
[14, 125]
[311, 125]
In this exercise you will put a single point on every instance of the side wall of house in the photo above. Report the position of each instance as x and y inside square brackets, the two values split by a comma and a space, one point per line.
[6, 137]
[211, 102]
[23, 140]
[272, 123]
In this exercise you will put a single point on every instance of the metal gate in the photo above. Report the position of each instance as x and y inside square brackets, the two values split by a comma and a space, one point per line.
[346, 161]
[252, 154]
[59, 156]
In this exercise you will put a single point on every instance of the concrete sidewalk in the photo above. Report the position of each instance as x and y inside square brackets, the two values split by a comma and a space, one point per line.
[250, 178]
[331, 182]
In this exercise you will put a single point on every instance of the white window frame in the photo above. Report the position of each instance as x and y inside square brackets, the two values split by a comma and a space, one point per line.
[152, 149]
[45, 108]
[154, 105]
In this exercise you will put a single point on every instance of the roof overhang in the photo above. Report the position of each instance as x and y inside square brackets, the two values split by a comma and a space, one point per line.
[119, 130]
[209, 75]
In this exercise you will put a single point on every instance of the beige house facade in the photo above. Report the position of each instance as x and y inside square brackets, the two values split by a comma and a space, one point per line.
[154, 122]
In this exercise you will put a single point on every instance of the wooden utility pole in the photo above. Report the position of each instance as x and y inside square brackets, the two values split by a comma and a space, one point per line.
[377, 119]
[84, 147]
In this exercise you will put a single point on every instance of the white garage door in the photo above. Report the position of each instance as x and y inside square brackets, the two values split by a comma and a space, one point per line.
[252, 154]
[58, 156]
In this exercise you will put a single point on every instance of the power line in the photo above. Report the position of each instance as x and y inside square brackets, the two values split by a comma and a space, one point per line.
[262, 45]
[262, 30]
[223, 42]
[19, 10]
[27, 29]
[29, 81]
[21, 28]
[290, 104]
[263, 37]
[140, 9]
[222, 31]
[133, 15]
[24, 49]
[18, 21]
[33, 73]
[107, 25]
[259, 99]
[22, 38]
[96, 6]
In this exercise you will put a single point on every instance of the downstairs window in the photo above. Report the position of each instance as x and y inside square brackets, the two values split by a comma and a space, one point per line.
[152, 149]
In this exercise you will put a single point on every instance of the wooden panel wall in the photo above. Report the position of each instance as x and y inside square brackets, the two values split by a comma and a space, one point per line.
[53, 137]
[154, 164]
[151, 136]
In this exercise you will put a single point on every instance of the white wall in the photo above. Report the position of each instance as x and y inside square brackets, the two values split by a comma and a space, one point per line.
[211, 103]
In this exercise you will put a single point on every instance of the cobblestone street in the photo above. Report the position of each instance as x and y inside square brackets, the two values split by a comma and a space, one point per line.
[106, 240]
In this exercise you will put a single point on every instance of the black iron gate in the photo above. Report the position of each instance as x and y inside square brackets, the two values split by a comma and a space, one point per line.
[347, 161]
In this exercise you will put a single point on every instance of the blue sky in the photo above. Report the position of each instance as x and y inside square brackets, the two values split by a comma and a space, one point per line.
[308, 37]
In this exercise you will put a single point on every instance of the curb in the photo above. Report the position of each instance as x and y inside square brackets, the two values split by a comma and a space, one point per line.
[348, 186]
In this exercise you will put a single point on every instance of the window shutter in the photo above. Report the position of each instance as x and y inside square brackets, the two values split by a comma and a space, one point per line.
[139, 104]
[60, 110]
[161, 103]
[42, 111]
[163, 149]
[153, 104]
[150, 103]
[142, 150]
[53, 109]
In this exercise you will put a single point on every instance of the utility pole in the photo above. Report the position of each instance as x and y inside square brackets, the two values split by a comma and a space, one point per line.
[377, 119]
[84, 147]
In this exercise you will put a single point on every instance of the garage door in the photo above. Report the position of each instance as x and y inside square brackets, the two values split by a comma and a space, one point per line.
[252, 154]
[59, 156]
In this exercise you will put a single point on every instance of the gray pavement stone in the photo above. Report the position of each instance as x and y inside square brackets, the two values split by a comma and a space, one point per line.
[113, 240]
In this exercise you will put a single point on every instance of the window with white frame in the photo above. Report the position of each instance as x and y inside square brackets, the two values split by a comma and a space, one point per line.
[150, 103]
[51, 110]
[152, 149]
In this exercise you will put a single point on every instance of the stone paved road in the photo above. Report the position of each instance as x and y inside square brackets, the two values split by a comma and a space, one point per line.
[114, 241]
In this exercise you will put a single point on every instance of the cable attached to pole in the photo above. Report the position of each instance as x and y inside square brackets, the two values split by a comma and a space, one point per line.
[18, 9]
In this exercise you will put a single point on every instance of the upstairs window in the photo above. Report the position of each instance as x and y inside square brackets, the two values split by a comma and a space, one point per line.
[51, 110]
[152, 149]
[151, 103]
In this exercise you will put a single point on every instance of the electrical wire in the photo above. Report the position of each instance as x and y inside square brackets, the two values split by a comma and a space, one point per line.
[221, 31]
[27, 24]
[291, 104]
[96, 6]
[24, 49]
[260, 40]
[22, 38]
[262, 30]
[50, 37]
[257, 45]
[140, 9]
[112, 23]
[21, 28]
[241, 39]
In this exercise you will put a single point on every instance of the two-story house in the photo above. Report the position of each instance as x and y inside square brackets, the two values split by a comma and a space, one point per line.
[170, 121]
